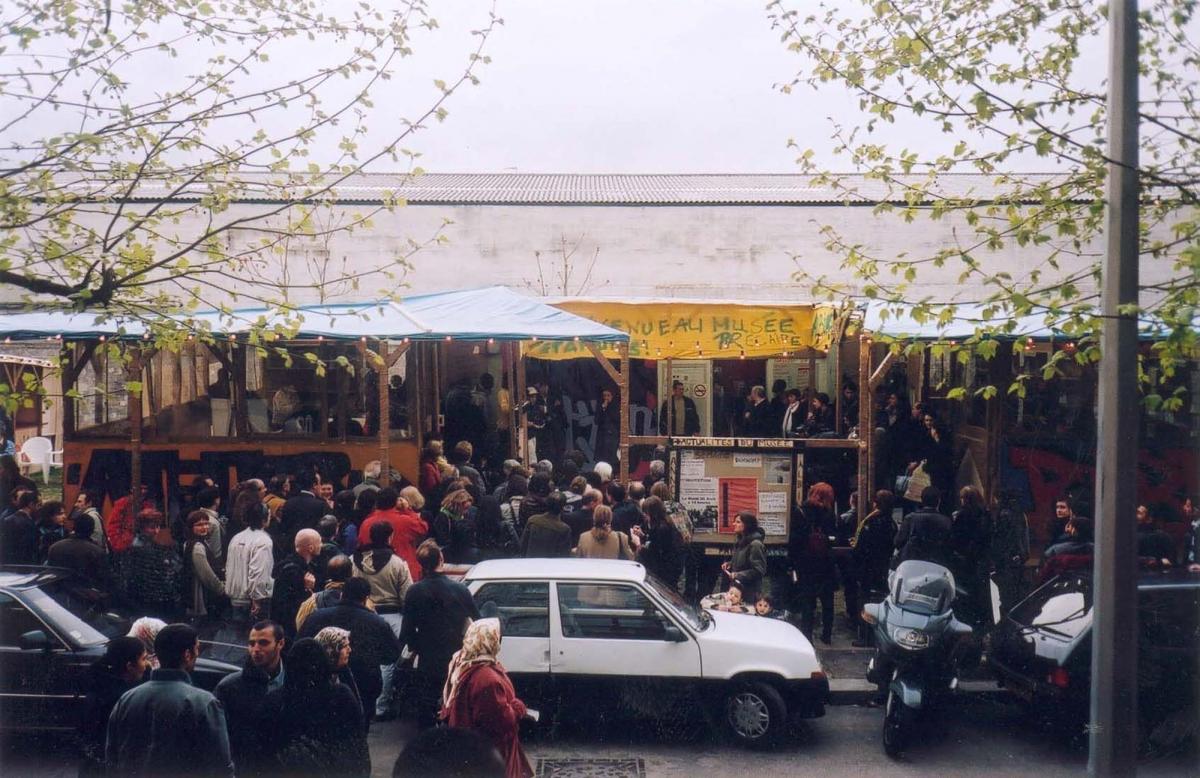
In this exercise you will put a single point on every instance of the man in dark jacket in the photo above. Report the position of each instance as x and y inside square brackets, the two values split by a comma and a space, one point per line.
[80, 554]
[538, 489]
[546, 535]
[580, 519]
[337, 572]
[626, 513]
[304, 509]
[295, 579]
[925, 533]
[760, 420]
[18, 533]
[436, 613]
[372, 642]
[1152, 542]
[167, 725]
[243, 693]
[678, 415]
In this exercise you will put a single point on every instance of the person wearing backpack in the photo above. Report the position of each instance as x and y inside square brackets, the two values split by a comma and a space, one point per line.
[810, 553]
[497, 535]
[691, 556]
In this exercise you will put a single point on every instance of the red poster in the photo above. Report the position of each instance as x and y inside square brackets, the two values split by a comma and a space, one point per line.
[735, 495]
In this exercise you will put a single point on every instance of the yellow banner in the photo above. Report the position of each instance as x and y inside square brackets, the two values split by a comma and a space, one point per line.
[658, 330]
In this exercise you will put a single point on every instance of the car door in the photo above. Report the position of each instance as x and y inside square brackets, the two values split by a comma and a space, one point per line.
[614, 638]
[523, 608]
[35, 682]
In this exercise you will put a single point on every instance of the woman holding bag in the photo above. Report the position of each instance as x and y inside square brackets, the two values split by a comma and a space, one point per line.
[479, 696]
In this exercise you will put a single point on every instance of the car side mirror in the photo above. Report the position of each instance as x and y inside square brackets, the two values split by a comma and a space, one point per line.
[35, 640]
[673, 634]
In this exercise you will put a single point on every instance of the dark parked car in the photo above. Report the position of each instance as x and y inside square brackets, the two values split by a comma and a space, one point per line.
[1042, 651]
[52, 627]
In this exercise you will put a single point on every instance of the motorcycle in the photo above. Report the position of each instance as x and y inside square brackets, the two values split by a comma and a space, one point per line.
[917, 643]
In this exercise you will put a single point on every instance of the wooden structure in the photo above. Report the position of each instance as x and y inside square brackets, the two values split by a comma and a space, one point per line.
[140, 413]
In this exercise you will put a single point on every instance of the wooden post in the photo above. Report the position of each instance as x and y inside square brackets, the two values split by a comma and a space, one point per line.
[417, 388]
[866, 431]
[385, 416]
[624, 438]
[436, 426]
[133, 373]
[523, 418]
[669, 397]
[237, 368]
[507, 350]
[323, 406]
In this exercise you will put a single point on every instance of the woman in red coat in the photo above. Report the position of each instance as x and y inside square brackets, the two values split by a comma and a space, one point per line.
[478, 696]
[431, 475]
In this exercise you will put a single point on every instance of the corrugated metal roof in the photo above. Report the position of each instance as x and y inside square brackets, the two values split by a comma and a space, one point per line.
[617, 189]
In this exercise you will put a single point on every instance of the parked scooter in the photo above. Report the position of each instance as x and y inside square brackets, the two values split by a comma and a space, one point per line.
[916, 637]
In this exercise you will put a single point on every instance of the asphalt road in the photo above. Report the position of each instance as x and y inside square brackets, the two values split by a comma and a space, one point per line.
[974, 735]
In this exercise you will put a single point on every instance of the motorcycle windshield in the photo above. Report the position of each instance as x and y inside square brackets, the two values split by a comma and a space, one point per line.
[923, 587]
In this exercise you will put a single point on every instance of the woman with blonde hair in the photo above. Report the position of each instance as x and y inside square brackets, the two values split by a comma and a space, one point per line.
[479, 696]
[601, 542]
[455, 530]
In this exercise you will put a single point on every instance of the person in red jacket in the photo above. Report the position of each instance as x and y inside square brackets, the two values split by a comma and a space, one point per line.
[479, 696]
[408, 528]
[119, 525]
[431, 474]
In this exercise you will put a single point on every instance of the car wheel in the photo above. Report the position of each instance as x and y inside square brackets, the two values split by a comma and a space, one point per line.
[893, 726]
[754, 714]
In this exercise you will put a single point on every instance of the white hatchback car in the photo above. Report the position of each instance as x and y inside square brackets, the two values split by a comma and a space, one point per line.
[597, 632]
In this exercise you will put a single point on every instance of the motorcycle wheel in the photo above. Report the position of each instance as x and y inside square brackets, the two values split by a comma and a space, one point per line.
[893, 727]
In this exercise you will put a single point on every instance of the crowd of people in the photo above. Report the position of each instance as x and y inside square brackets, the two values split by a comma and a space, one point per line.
[340, 592]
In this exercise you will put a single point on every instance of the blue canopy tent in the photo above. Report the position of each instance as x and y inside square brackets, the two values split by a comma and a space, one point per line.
[969, 320]
[488, 313]
[388, 328]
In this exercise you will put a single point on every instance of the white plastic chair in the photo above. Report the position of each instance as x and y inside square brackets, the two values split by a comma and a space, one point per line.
[39, 452]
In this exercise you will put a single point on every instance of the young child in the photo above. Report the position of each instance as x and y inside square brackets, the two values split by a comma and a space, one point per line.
[730, 601]
[764, 607]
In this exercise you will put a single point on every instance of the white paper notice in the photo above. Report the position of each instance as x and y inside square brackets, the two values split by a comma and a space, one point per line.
[747, 460]
[691, 467]
[698, 493]
[772, 502]
[772, 523]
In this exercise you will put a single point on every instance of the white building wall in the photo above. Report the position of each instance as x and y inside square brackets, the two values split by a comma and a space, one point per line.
[703, 251]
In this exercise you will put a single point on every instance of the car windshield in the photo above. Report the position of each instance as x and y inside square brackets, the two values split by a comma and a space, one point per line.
[695, 617]
[76, 612]
[1062, 608]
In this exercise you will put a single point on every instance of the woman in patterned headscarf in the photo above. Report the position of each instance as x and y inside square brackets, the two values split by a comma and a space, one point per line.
[335, 642]
[479, 696]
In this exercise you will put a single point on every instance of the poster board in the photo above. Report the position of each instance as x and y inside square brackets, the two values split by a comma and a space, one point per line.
[716, 478]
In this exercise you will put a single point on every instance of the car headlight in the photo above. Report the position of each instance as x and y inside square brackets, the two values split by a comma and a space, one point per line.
[910, 638]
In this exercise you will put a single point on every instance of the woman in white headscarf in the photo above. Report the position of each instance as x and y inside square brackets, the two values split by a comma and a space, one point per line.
[146, 630]
[479, 696]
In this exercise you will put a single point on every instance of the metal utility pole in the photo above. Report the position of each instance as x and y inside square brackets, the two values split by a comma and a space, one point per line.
[1113, 746]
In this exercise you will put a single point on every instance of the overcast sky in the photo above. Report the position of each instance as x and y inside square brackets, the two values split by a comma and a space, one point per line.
[623, 86]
